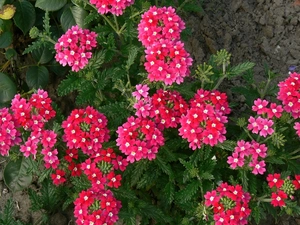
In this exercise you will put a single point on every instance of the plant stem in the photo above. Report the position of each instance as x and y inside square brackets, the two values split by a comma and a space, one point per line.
[116, 22]
[182, 4]
[110, 23]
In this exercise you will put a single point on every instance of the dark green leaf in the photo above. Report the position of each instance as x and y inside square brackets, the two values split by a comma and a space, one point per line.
[6, 218]
[37, 76]
[8, 88]
[5, 39]
[132, 54]
[79, 15]
[42, 55]
[16, 176]
[50, 5]
[67, 20]
[24, 17]
[10, 53]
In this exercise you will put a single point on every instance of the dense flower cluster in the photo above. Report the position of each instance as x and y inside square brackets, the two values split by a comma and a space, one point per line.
[205, 119]
[74, 47]
[115, 7]
[229, 204]
[29, 117]
[282, 189]
[159, 23]
[249, 154]
[289, 94]
[85, 129]
[139, 138]
[164, 107]
[9, 135]
[96, 208]
[167, 61]
[166, 58]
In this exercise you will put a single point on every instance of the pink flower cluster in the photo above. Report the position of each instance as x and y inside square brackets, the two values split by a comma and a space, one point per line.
[85, 129]
[115, 7]
[159, 23]
[74, 47]
[139, 138]
[204, 121]
[289, 94]
[29, 118]
[97, 205]
[167, 61]
[166, 58]
[249, 154]
[164, 107]
[282, 189]
[9, 135]
[263, 125]
[229, 203]
[99, 208]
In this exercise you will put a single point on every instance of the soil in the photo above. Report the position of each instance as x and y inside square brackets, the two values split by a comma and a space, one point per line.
[265, 32]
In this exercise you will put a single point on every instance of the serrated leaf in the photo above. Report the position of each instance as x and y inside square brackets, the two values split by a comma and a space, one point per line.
[34, 45]
[169, 192]
[16, 176]
[37, 77]
[5, 39]
[227, 145]
[241, 68]
[71, 83]
[7, 217]
[165, 167]
[8, 88]
[50, 5]
[97, 59]
[188, 192]
[24, 17]
[132, 54]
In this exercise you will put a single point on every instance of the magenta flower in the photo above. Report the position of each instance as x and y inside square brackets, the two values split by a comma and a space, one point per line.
[235, 161]
[258, 167]
[141, 91]
[260, 106]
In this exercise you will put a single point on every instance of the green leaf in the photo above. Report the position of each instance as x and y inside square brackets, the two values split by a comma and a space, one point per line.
[8, 213]
[188, 192]
[169, 192]
[10, 53]
[132, 54]
[37, 76]
[50, 5]
[16, 176]
[42, 55]
[227, 145]
[8, 88]
[68, 85]
[24, 17]
[67, 20]
[79, 15]
[241, 68]
[5, 39]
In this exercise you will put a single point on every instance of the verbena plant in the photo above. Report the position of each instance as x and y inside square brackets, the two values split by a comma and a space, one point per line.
[149, 139]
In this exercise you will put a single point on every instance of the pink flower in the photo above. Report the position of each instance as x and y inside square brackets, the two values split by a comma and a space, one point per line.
[258, 167]
[266, 127]
[74, 47]
[254, 125]
[297, 128]
[274, 110]
[159, 24]
[141, 91]
[260, 106]
[115, 7]
[235, 160]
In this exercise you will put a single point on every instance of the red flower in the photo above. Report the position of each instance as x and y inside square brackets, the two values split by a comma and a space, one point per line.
[296, 182]
[58, 178]
[278, 198]
[274, 180]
